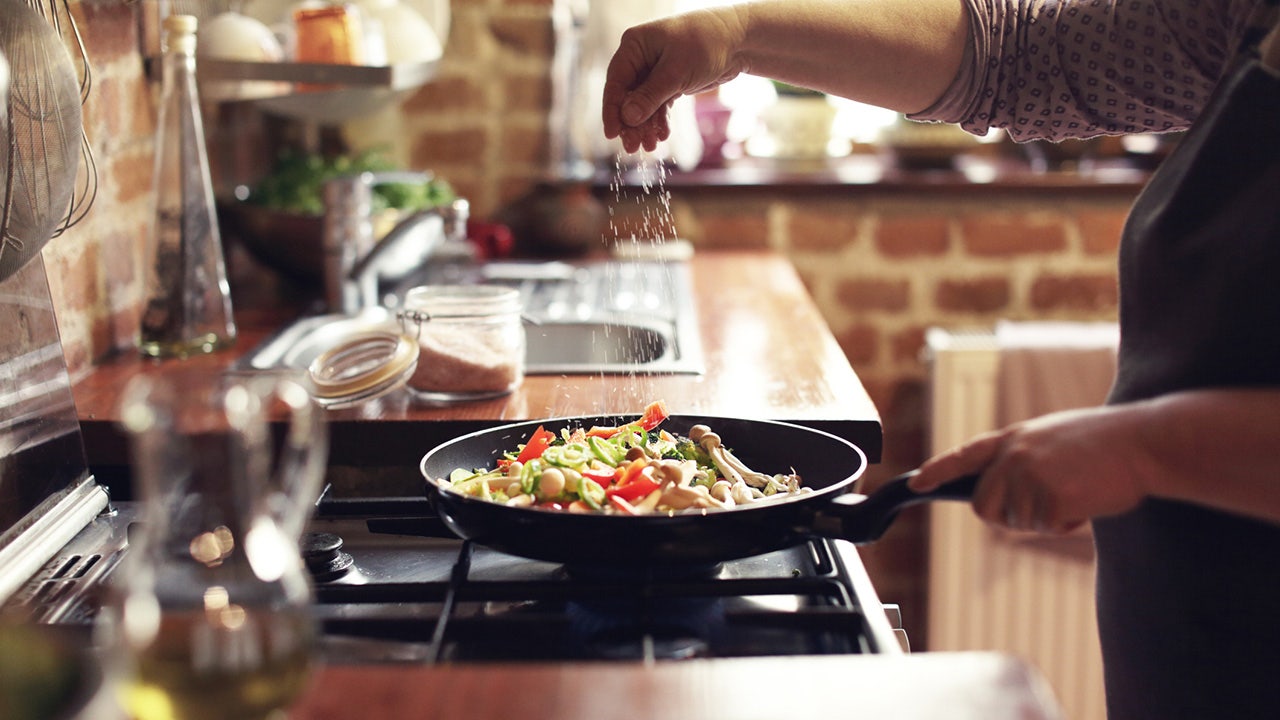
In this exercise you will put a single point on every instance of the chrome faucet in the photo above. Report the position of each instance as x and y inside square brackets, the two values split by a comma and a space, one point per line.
[355, 261]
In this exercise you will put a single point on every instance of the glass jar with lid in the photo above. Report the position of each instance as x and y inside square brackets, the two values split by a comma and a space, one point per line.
[471, 341]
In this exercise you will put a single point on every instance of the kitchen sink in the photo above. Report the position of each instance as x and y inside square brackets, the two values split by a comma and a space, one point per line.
[610, 316]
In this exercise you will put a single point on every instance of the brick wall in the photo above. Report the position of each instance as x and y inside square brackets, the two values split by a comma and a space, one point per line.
[882, 265]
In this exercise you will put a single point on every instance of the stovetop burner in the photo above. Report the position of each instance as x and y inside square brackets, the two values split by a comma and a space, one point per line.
[323, 554]
[440, 599]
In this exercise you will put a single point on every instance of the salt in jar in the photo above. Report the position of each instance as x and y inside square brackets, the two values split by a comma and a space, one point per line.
[471, 341]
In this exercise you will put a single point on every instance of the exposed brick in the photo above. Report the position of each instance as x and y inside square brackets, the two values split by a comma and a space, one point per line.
[109, 29]
[1100, 230]
[75, 280]
[642, 217]
[981, 295]
[862, 294]
[739, 227]
[527, 94]
[524, 36]
[436, 146]
[906, 345]
[1009, 234]
[1074, 292]
[524, 145]
[446, 95]
[912, 235]
[130, 175]
[821, 229]
[861, 344]
[119, 264]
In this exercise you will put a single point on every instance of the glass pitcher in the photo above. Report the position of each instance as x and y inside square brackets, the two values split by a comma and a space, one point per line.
[209, 618]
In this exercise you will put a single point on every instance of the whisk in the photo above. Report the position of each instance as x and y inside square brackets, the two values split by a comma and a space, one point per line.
[58, 14]
[45, 140]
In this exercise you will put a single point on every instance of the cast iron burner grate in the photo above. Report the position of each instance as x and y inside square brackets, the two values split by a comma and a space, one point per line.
[808, 607]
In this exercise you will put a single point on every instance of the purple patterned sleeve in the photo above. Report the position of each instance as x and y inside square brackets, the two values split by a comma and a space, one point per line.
[1054, 69]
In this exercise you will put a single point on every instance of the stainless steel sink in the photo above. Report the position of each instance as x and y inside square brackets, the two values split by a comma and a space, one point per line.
[580, 318]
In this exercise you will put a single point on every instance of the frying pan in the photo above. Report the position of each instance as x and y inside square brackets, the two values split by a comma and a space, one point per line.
[827, 464]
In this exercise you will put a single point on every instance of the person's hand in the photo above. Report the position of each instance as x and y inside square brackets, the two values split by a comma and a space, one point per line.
[1050, 474]
[659, 61]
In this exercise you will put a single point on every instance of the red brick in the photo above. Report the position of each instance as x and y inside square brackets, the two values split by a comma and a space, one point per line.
[524, 37]
[906, 346]
[128, 174]
[527, 94]
[739, 227]
[863, 294]
[436, 146]
[109, 29]
[821, 230]
[1074, 292]
[861, 344]
[1100, 230]
[446, 95]
[524, 145]
[1010, 234]
[912, 235]
[981, 295]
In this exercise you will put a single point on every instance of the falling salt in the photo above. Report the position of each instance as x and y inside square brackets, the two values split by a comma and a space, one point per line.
[653, 226]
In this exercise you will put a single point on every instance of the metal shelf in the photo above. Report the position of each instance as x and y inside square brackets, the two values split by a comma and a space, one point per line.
[318, 92]
[404, 76]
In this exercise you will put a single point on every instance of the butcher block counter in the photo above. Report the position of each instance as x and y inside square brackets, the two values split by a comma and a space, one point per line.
[950, 686]
[768, 354]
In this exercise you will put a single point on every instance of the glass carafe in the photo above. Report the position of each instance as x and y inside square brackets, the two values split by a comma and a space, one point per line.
[209, 618]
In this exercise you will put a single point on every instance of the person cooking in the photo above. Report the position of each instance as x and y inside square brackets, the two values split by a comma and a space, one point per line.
[1179, 473]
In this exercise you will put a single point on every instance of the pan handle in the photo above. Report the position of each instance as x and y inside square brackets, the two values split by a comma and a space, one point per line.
[864, 518]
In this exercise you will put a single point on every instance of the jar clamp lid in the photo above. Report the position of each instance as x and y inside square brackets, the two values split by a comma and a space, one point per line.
[362, 367]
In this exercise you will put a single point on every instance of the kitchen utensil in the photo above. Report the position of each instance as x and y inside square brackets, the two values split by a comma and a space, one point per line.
[827, 464]
[212, 608]
[44, 138]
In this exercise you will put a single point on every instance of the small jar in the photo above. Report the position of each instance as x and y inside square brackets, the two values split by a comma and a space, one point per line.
[471, 341]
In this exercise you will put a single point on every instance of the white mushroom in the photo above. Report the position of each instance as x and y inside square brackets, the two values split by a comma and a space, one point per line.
[730, 466]
[741, 493]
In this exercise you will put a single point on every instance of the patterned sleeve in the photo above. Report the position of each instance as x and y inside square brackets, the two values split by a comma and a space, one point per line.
[1054, 69]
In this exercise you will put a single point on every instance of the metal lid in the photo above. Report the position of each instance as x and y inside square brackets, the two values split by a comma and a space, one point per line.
[362, 367]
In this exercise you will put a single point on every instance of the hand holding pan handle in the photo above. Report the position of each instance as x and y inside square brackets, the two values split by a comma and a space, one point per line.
[864, 518]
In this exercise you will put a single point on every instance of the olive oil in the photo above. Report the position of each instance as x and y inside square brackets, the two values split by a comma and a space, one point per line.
[241, 666]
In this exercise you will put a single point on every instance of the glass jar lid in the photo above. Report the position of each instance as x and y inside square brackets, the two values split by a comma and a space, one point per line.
[362, 367]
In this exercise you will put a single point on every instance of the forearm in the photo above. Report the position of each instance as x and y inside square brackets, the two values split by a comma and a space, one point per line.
[1219, 448]
[898, 54]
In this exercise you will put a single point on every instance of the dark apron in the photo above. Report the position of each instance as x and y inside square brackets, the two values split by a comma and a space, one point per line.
[1189, 598]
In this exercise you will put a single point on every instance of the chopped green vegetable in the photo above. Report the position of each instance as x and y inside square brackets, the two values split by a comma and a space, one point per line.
[296, 184]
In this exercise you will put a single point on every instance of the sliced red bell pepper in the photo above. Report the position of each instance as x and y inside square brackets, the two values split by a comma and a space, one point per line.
[539, 441]
[633, 483]
[651, 418]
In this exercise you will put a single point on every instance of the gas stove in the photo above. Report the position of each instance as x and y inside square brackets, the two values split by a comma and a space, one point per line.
[392, 583]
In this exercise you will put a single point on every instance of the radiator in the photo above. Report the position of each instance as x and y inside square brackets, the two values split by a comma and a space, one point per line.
[989, 589]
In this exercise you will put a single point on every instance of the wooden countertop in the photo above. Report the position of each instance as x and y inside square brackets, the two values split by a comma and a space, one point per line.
[768, 351]
[956, 686]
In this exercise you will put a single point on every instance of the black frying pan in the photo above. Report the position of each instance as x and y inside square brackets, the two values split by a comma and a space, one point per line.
[826, 463]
